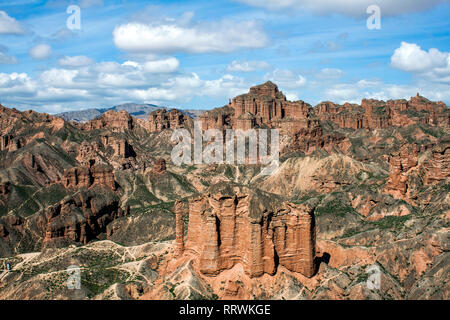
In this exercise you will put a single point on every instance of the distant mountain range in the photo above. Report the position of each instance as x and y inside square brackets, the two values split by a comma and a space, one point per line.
[136, 110]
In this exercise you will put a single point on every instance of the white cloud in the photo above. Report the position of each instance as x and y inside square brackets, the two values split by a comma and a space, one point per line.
[410, 57]
[16, 85]
[286, 78]
[330, 73]
[291, 96]
[40, 52]
[76, 61]
[59, 77]
[169, 36]
[247, 66]
[109, 83]
[433, 65]
[356, 8]
[162, 66]
[355, 92]
[9, 25]
[6, 59]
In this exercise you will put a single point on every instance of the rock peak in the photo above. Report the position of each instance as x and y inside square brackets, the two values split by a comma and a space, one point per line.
[266, 89]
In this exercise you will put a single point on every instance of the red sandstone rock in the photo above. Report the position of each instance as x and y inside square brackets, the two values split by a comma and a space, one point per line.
[309, 140]
[79, 177]
[121, 147]
[230, 225]
[162, 119]
[115, 121]
[375, 114]
[437, 168]
[78, 219]
[159, 166]
[219, 118]
[400, 165]
[265, 105]
[180, 209]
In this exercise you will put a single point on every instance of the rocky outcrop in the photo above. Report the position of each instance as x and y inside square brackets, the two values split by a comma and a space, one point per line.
[437, 168]
[159, 166]
[233, 224]
[376, 114]
[80, 218]
[266, 105]
[162, 119]
[121, 147]
[79, 177]
[181, 210]
[218, 118]
[406, 174]
[312, 139]
[114, 121]
[43, 170]
[400, 165]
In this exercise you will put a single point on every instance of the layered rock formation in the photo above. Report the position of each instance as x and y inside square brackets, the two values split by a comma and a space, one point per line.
[121, 147]
[114, 121]
[79, 219]
[400, 165]
[79, 177]
[266, 105]
[310, 140]
[263, 106]
[218, 118]
[437, 168]
[405, 171]
[162, 119]
[159, 166]
[232, 224]
[180, 209]
[376, 114]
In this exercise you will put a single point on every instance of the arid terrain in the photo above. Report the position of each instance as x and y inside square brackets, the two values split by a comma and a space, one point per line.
[357, 186]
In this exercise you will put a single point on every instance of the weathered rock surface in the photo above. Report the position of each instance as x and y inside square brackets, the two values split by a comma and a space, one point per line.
[115, 121]
[159, 166]
[376, 114]
[437, 168]
[79, 219]
[86, 177]
[231, 225]
[400, 166]
[162, 119]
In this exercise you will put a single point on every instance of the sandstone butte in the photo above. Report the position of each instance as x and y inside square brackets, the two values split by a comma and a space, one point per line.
[233, 224]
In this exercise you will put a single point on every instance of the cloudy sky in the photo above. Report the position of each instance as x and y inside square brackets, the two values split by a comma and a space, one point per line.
[198, 54]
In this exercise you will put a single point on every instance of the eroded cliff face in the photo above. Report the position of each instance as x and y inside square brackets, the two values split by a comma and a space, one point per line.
[162, 119]
[233, 224]
[79, 219]
[437, 167]
[79, 177]
[377, 114]
[114, 121]
[401, 164]
[407, 173]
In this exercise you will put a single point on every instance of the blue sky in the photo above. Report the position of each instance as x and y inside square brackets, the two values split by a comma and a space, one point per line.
[198, 54]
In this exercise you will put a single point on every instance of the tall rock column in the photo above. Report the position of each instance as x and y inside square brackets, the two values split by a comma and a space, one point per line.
[179, 209]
